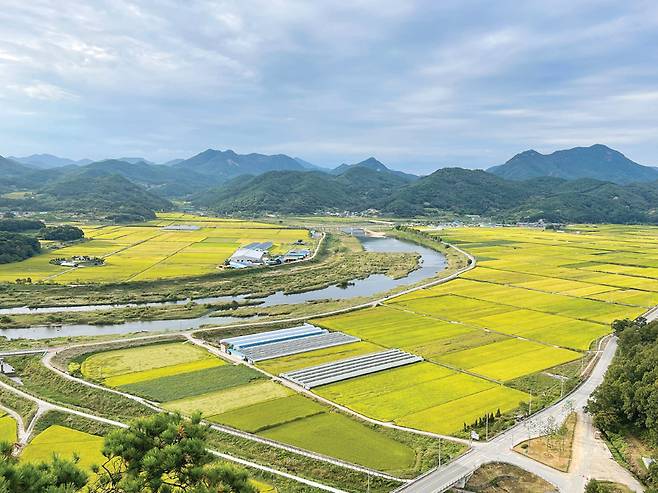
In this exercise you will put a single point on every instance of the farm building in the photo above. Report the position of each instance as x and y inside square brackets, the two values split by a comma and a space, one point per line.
[294, 255]
[283, 342]
[250, 255]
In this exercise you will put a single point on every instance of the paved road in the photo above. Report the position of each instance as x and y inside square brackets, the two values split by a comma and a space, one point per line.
[500, 448]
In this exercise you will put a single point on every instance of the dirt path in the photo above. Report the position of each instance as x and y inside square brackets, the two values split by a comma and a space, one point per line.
[592, 459]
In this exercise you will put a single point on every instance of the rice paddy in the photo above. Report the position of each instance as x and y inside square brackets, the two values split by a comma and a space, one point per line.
[536, 300]
[149, 251]
[8, 428]
[66, 443]
[181, 378]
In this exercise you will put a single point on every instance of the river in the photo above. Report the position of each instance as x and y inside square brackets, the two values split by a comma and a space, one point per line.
[430, 263]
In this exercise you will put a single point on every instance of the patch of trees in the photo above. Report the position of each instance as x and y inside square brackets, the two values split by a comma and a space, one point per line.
[62, 233]
[18, 225]
[16, 246]
[627, 400]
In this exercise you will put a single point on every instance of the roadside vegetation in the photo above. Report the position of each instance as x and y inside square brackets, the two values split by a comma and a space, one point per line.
[496, 477]
[625, 406]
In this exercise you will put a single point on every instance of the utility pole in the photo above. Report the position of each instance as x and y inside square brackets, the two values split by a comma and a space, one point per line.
[439, 453]
[368, 482]
[561, 388]
[486, 428]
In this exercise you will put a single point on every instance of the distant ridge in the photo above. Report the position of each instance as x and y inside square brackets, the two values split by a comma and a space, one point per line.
[224, 165]
[598, 162]
[48, 161]
[375, 165]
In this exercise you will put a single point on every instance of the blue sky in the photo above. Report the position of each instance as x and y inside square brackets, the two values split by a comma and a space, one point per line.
[418, 84]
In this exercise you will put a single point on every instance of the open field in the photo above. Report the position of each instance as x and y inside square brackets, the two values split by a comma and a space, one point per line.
[180, 386]
[8, 429]
[264, 415]
[141, 359]
[147, 251]
[65, 442]
[226, 400]
[339, 436]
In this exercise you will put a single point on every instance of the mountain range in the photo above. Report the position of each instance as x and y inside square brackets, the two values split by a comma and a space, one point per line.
[584, 183]
[597, 161]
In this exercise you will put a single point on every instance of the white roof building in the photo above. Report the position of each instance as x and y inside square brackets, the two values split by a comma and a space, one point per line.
[247, 256]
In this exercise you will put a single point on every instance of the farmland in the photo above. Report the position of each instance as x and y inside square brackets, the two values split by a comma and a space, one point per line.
[185, 378]
[150, 251]
[66, 443]
[536, 301]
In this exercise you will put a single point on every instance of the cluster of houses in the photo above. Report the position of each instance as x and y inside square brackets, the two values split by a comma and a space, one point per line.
[257, 254]
[78, 261]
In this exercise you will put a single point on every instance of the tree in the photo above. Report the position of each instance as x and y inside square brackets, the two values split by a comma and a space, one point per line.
[165, 453]
[56, 476]
[62, 233]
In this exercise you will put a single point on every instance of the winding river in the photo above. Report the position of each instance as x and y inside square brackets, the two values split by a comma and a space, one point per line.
[431, 262]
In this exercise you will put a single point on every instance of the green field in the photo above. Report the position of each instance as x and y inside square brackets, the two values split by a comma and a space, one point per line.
[109, 364]
[338, 436]
[264, 415]
[65, 442]
[190, 384]
[222, 401]
[149, 251]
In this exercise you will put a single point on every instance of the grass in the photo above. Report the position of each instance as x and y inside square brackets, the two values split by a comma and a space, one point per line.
[338, 436]
[222, 401]
[183, 385]
[8, 429]
[48, 385]
[108, 364]
[555, 449]
[264, 415]
[66, 443]
[24, 407]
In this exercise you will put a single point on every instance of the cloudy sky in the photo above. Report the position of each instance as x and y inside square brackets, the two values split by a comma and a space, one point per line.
[418, 84]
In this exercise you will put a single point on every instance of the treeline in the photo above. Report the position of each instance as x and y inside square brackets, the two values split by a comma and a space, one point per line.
[19, 225]
[627, 400]
[16, 246]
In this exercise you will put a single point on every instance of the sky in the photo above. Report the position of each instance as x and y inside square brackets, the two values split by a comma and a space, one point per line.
[418, 84]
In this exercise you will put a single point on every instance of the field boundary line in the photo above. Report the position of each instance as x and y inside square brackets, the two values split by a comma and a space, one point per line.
[225, 429]
[45, 406]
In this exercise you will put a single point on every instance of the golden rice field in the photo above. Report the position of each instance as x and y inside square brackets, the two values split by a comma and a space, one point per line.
[537, 300]
[147, 251]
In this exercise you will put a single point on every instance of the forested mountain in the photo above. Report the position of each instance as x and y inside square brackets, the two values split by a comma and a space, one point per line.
[224, 165]
[597, 161]
[166, 181]
[90, 191]
[451, 189]
[374, 165]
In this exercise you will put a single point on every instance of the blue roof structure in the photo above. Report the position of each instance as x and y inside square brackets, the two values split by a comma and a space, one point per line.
[269, 337]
